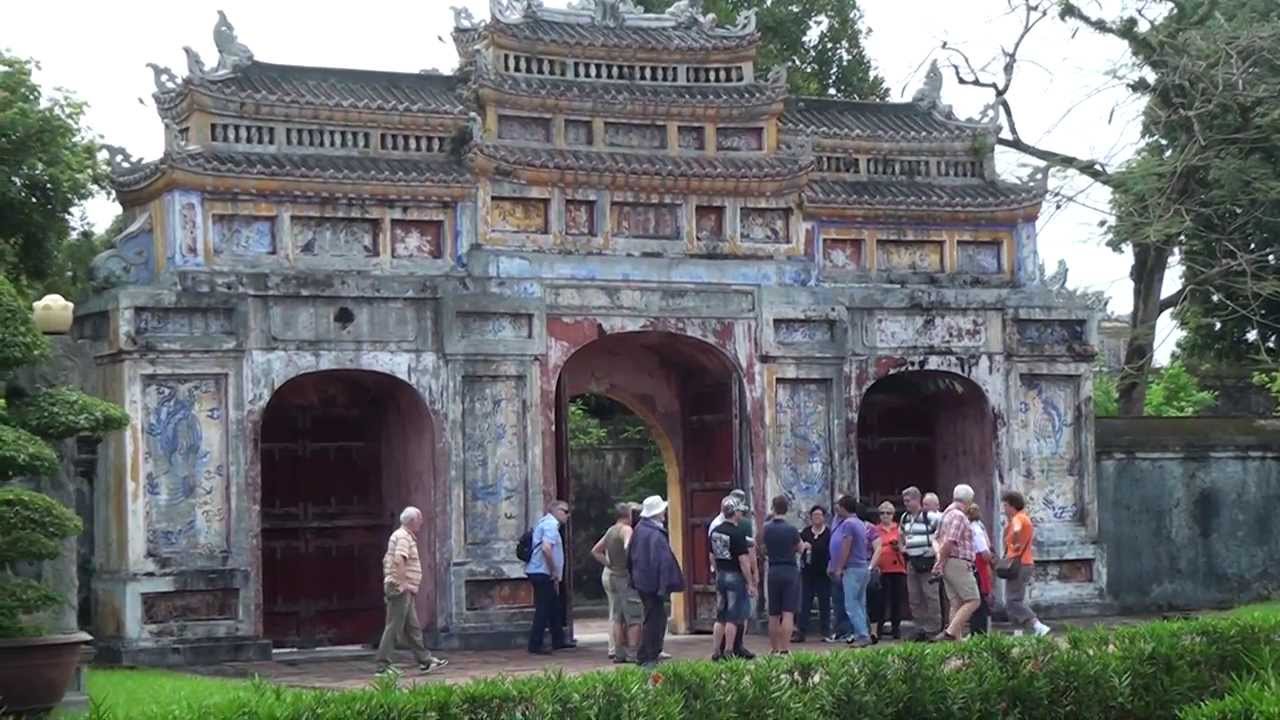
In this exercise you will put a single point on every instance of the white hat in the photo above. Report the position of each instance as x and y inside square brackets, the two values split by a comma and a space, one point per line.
[653, 505]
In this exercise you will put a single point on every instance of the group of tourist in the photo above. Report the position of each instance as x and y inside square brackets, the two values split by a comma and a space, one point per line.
[938, 562]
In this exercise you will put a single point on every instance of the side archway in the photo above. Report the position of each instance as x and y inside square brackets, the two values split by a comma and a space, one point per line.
[341, 453]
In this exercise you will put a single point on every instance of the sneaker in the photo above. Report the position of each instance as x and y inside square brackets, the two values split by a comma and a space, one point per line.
[837, 638]
[1041, 629]
[859, 642]
[944, 636]
[432, 664]
[613, 655]
[620, 660]
[1018, 633]
[717, 657]
[664, 656]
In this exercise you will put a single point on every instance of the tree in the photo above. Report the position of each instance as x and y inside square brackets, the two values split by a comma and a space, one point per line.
[50, 166]
[820, 42]
[1269, 381]
[1203, 186]
[1172, 391]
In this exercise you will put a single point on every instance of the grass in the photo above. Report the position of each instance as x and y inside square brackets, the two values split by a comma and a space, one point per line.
[1268, 609]
[122, 690]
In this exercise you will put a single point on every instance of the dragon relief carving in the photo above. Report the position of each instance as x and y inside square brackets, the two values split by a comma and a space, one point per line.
[777, 76]
[233, 55]
[120, 160]
[166, 79]
[929, 96]
[463, 19]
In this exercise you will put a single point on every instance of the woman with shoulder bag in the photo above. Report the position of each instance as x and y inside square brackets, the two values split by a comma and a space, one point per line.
[1018, 564]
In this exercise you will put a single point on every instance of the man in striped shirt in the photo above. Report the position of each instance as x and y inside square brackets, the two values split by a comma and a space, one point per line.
[923, 591]
[401, 578]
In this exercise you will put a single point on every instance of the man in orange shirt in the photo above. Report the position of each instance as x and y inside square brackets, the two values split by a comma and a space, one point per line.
[1019, 535]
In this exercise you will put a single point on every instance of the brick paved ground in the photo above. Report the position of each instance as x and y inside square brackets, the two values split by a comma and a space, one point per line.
[349, 668]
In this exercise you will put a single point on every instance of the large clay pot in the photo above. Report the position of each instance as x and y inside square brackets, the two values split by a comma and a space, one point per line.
[53, 314]
[35, 671]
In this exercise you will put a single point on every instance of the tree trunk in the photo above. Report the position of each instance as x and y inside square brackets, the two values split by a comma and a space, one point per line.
[1149, 264]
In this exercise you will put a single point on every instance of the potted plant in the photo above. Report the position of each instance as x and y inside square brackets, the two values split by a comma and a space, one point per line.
[35, 664]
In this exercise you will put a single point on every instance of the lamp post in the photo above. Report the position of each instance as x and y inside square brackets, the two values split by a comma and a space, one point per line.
[53, 314]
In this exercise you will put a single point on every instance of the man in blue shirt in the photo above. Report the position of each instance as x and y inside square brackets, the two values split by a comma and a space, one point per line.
[545, 570]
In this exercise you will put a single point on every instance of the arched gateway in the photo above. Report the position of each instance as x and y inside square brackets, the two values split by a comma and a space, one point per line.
[595, 202]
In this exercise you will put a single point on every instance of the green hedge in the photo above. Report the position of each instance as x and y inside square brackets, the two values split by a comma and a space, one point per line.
[1152, 671]
[1254, 699]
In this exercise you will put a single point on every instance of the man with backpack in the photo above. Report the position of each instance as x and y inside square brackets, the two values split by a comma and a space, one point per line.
[919, 526]
[545, 569]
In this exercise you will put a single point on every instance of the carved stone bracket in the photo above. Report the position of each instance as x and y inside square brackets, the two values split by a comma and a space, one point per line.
[129, 261]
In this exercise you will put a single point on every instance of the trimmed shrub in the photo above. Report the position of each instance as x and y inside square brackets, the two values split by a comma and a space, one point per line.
[32, 527]
[1141, 672]
[1257, 699]
[58, 413]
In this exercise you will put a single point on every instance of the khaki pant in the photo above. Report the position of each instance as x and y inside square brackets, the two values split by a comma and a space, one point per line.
[402, 626]
[925, 599]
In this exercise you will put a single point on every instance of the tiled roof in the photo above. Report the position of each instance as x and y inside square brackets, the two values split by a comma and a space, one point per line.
[438, 170]
[657, 163]
[625, 37]
[333, 88]
[902, 193]
[829, 117]
[631, 94]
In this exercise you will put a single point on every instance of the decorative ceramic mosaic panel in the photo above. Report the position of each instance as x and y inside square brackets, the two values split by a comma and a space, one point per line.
[710, 223]
[334, 237]
[983, 258]
[906, 256]
[926, 330]
[765, 225]
[184, 462]
[640, 220]
[842, 254]
[417, 238]
[244, 235]
[803, 332]
[579, 217]
[640, 137]
[521, 215]
[188, 228]
[804, 444]
[739, 139]
[1050, 447]
[1050, 334]
[493, 450]
[498, 326]
[578, 132]
[524, 129]
[692, 137]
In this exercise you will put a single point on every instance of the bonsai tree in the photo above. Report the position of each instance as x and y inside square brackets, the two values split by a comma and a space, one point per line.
[33, 525]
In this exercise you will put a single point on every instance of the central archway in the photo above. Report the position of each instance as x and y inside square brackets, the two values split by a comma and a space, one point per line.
[689, 395]
[342, 452]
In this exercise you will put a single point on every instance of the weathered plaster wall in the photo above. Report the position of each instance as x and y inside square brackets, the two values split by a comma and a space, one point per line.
[1187, 510]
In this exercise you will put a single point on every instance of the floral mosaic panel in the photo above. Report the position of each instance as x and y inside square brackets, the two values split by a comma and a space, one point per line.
[580, 217]
[524, 129]
[803, 332]
[417, 238]
[493, 449]
[766, 225]
[334, 237]
[710, 221]
[804, 444]
[1050, 334]
[495, 326]
[981, 258]
[842, 254]
[189, 226]
[906, 256]
[637, 137]
[243, 235]
[692, 137]
[740, 139]
[519, 215]
[926, 330]
[642, 220]
[184, 460]
[1050, 448]
[578, 132]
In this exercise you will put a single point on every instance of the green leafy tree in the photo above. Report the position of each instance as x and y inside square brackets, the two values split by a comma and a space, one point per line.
[1172, 391]
[1204, 187]
[50, 166]
[1269, 381]
[32, 525]
[820, 42]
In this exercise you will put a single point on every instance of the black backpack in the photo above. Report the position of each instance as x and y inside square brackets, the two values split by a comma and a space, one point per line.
[524, 546]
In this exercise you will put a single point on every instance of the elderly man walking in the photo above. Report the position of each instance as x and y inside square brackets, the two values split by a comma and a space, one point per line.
[955, 564]
[401, 578]
[918, 529]
[545, 570]
[655, 574]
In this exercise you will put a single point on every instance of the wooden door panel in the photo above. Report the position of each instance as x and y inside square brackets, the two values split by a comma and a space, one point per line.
[710, 450]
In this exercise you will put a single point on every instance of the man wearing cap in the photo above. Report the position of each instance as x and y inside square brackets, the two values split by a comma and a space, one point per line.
[747, 527]
[655, 574]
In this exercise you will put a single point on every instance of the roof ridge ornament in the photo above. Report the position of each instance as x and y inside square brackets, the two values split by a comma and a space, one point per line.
[463, 19]
[744, 24]
[121, 161]
[514, 11]
[929, 96]
[233, 55]
[166, 79]
[777, 76]
[690, 13]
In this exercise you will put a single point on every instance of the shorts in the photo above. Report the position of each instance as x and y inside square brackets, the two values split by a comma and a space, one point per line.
[961, 583]
[784, 590]
[732, 602]
[624, 601]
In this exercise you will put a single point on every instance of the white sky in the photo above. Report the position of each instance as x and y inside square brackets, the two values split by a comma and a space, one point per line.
[1062, 97]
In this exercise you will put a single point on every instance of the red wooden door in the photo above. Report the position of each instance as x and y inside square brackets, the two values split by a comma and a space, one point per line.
[711, 470]
[324, 526]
